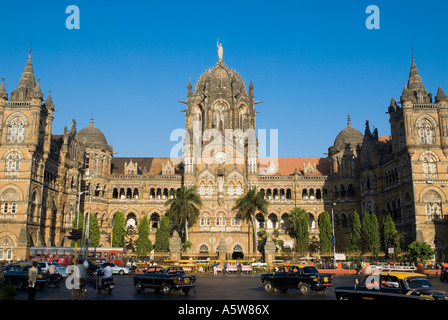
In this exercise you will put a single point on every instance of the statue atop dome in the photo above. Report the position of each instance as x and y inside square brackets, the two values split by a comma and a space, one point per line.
[220, 50]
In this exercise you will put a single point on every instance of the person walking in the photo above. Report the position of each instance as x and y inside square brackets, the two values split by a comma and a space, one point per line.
[2, 274]
[32, 279]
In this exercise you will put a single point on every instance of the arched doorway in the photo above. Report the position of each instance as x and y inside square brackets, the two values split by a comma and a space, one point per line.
[237, 252]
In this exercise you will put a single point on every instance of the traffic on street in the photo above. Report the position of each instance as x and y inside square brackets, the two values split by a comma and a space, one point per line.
[208, 287]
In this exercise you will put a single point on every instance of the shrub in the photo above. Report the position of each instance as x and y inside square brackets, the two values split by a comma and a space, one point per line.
[8, 292]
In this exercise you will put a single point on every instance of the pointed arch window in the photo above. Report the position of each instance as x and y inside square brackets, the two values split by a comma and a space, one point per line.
[433, 207]
[426, 132]
[16, 130]
[13, 163]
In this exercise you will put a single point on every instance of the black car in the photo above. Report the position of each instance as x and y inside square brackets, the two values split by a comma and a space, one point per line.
[164, 278]
[306, 278]
[391, 285]
[17, 274]
[93, 269]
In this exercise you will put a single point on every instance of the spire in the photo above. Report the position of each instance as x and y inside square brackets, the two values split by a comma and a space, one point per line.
[441, 96]
[27, 82]
[189, 88]
[414, 81]
[37, 93]
[251, 88]
[49, 101]
[393, 105]
[415, 84]
[349, 121]
[3, 93]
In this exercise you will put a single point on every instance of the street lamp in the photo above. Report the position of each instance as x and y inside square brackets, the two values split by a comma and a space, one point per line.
[87, 228]
[334, 237]
[77, 223]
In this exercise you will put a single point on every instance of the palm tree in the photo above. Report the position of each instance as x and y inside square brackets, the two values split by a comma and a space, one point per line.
[184, 207]
[248, 205]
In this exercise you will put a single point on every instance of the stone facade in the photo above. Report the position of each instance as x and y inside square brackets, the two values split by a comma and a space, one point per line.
[42, 173]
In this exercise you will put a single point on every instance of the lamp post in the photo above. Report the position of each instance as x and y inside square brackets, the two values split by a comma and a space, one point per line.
[77, 223]
[334, 237]
[87, 228]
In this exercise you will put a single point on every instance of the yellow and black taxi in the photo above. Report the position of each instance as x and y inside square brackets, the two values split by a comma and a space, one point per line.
[305, 278]
[17, 274]
[164, 278]
[391, 285]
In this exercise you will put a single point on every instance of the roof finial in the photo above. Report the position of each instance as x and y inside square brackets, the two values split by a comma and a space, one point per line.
[31, 47]
[349, 122]
[412, 49]
[91, 121]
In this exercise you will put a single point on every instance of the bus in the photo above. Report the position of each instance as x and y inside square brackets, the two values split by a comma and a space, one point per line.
[65, 255]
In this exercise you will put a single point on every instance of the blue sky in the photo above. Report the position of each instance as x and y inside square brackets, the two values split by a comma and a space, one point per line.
[312, 63]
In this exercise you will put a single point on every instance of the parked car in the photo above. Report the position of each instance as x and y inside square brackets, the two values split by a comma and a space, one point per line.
[391, 285]
[306, 278]
[116, 269]
[44, 265]
[17, 274]
[164, 278]
[61, 269]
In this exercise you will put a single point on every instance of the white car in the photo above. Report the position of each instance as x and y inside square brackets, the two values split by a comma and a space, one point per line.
[44, 265]
[116, 269]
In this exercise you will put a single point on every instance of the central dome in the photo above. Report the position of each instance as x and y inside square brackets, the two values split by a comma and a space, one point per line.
[218, 78]
[92, 137]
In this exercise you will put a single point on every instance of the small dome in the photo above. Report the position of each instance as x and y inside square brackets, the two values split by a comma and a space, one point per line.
[92, 137]
[350, 136]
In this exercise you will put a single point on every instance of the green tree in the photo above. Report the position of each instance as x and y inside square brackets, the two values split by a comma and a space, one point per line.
[184, 207]
[355, 232]
[162, 242]
[325, 233]
[248, 205]
[391, 237]
[118, 230]
[371, 240]
[419, 251]
[144, 244]
[94, 231]
[298, 217]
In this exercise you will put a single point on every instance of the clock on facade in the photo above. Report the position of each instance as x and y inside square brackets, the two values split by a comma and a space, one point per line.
[220, 157]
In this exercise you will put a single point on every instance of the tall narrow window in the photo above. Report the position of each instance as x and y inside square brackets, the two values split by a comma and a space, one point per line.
[13, 131]
[20, 133]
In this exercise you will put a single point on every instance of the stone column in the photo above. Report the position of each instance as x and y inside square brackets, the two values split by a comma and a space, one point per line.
[269, 250]
[222, 251]
[175, 247]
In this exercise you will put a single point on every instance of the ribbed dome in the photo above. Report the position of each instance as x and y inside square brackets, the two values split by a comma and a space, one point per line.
[220, 77]
[92, 137]
[350, 136]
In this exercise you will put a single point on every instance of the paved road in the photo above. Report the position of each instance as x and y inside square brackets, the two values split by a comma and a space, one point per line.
[209, 287]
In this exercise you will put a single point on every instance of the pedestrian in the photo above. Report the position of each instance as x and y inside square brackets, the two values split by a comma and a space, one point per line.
[2, 274]
[214, 267]
[32, 279]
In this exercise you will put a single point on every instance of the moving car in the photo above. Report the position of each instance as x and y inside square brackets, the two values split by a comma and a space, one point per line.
[306, 278]
[17, 274]
[164, 278]
[116, 269]
[387, 285]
